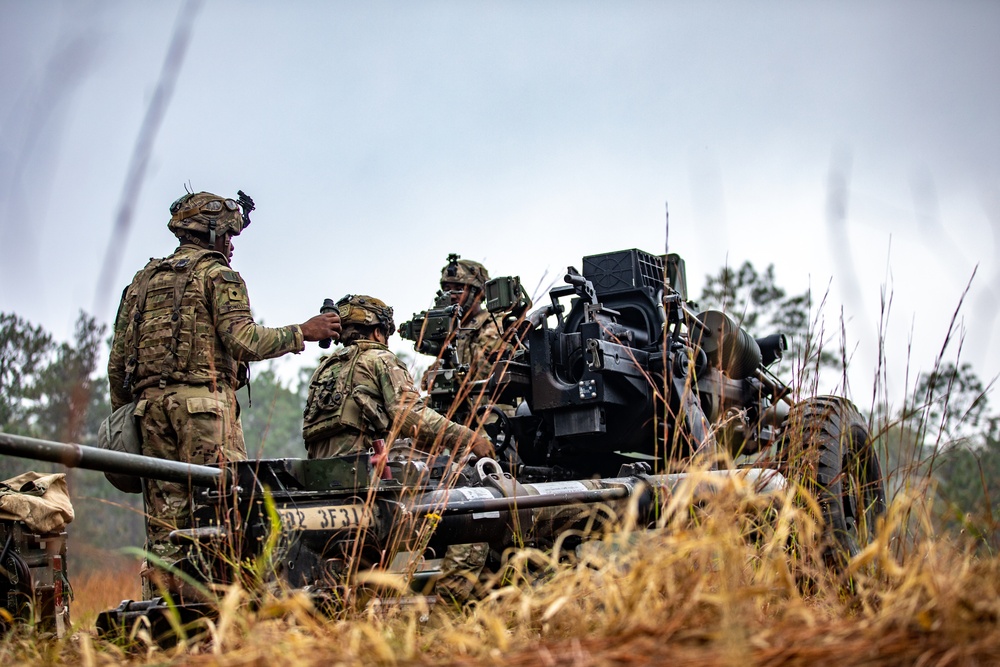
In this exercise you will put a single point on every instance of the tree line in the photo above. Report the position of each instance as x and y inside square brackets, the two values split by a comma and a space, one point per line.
[944, 433]
[944, 436]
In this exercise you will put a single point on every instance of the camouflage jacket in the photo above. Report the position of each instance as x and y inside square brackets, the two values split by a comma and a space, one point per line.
[195, 326]
[476, 342]
[363, 392]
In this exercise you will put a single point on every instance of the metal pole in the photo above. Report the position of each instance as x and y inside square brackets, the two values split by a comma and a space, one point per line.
[520, 502]
[93, 458]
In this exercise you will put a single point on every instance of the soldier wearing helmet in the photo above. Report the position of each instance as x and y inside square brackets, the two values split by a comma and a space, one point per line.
[363, 392]
[478, 342]
[183, 337]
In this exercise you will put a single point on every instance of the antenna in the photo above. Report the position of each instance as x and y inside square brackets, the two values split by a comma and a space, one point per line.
[666, 230]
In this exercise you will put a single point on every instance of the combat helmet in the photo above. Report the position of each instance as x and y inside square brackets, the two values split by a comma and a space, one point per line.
[210, 215]
[367, 311]
[464, 272]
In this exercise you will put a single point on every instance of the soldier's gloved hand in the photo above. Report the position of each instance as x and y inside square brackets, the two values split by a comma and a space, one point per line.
[324, 325]
[482, 447]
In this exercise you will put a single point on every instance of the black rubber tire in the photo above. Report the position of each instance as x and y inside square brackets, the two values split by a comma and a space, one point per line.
[826, 445]
[19, 591]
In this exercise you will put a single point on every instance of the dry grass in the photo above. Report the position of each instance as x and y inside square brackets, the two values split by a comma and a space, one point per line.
[740, 581]
[737, 582]
[96, 589]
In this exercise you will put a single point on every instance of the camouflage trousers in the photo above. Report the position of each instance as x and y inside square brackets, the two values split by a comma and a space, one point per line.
[460, 569]
[192, 424]
[462, 564]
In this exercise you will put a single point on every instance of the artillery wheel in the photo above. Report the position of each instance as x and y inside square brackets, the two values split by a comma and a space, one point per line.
[827, 446]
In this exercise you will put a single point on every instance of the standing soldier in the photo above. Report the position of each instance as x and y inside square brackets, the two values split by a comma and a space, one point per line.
[363, 393]
[182, 339]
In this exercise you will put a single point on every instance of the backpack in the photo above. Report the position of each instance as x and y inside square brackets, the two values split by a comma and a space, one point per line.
[119, 433]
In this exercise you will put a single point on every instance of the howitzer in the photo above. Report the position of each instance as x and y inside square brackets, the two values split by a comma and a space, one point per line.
[433, 332]
[630, 370]
[314, 525]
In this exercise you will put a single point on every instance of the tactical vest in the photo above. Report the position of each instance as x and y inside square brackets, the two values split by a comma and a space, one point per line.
[333, 401]
[467, 343]
[171, 331]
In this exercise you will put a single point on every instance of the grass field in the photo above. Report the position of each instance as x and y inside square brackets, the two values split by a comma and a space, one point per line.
[741, 581]
[98, 588]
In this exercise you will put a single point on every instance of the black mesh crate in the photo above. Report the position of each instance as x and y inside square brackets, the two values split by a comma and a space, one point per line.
[624, 270]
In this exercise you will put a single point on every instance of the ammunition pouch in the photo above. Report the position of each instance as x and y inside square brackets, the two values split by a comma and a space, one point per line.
[119, 433]
[331, 404]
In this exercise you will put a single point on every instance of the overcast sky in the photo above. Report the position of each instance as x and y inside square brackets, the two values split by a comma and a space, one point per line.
[376, 138]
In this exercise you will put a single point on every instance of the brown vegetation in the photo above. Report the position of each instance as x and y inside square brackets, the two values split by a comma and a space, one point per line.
[740, 581]
[102, 587]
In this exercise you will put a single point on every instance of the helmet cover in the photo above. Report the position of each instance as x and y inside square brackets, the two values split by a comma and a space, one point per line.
[464, 272]
[203, 213]
[367, 311]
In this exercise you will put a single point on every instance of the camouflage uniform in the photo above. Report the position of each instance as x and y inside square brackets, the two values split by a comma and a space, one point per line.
[182, 338]
[462, 564]
[362, 393]
[477, 344]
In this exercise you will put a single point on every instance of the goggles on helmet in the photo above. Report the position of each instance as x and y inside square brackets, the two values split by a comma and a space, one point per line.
[207, 213]
[214, 207]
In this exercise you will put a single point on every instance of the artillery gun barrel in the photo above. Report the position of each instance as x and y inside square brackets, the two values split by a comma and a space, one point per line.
[555, 494]
[92, 458]
[520, 502]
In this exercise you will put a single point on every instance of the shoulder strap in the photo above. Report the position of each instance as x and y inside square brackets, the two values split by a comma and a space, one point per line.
[345, 380]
